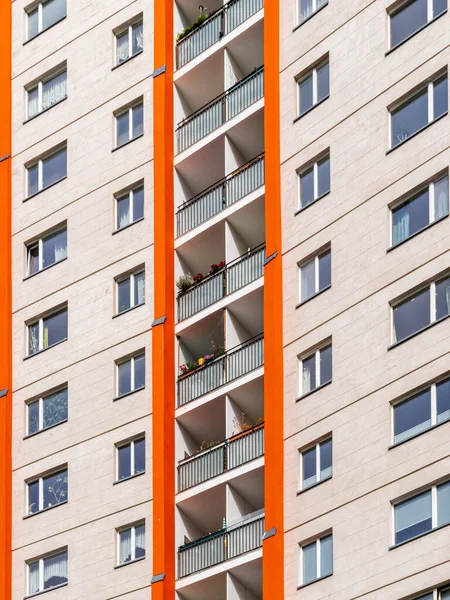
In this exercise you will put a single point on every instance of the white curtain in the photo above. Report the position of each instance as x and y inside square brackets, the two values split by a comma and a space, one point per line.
[138, 38]
[55, 567]
[60, 247]
[441, 198]
[33, 102]
[401, 229]
[306, 379]
[54, 90]
[124, 546]
[140, 540]
[33, 582]
[306, 9]
[33, 333]
[122, 47]
[139, 290]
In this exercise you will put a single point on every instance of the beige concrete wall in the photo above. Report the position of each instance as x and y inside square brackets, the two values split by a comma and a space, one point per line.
[354, 219]
[86, 361]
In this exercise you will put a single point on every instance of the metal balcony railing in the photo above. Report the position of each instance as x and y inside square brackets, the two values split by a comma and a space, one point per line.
[224, 20]
[234, 452]
[237, 274]
[228, 367]
[238, 538]
[220, 110]
[224, 193]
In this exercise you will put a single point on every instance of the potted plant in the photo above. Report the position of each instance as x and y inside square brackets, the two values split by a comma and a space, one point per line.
[184, 282]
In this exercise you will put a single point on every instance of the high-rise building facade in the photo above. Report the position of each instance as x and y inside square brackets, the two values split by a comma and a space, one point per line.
[226, 283]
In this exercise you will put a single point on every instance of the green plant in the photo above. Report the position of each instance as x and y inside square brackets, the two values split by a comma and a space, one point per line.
[195, 25]
[184, 282]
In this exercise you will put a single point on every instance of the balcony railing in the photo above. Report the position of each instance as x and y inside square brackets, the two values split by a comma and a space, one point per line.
[235, 275]
[234, 452]
[228, 367]
[220, 110]
[222, 194]
[220, 23]
[239, 538]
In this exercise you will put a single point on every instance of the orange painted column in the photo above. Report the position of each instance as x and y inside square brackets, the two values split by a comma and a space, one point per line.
[273, 547]
[163, 334]
[5, 303]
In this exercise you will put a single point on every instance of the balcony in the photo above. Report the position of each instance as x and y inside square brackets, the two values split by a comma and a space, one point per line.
[214, 28]
[234, 452]
[222, 370]
[220, 110]
[235, 540]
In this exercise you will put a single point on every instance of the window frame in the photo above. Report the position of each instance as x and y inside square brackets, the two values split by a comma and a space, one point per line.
[128, 29]
[312, 71]
[299, 19]
[132, 528]
[40, 85]
[316, 259]
[314, 164]
[40, 321]
[40, 164]
[132, 358]
[130, 442]
[120, 196]
[39, 243]
[124, 277]
[128, 110]
[396, 8]
[316, 446]
[317, 540]
[40, 480]
[39, 7]
[40, 560]
[307, 355]
[41, 399]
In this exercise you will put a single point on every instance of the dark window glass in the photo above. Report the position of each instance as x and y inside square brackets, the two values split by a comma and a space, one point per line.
[443, 504]
[325, 365]
[55, 408]
[439, 6]
[55, 489]
[125, 377]
[123, 211]
[407, 20]
[306, 93]
[123, 293]
[52, 12]
[412, 315]
[413, 517]
[308, 281]
[309, 562]
[409, 118]
[139, 456]
[326, 556]
[307, 187]
[33, 259]
[138, 120]
[123, 128]
[139, 371]
[33, 180]
[440, 97]
[443, 401]
[54, 168]
[306, 9]
[325, 459]
[138, 203]
[33, 417]
[33, 23]
[55, 329]
[138, 38]
[54, 248]
[323, 176]
[309, 374]
[442, 298]
[323, 82]
[309, 467]
[411, 217]
[412, 416]
[125, 461]
[324, 271]
[33, 338]
[441, 197]
[33, 497]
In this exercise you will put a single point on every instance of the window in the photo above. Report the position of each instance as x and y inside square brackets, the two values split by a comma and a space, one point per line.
[50, 90]
[421, 513]
[314, 181]
[130, 459]
[316, 559]
[47, 411]
[129, 207]
[44, 15]
[131, 543]
[443, 594]
[309, 7]
[47, 491]
[412, 16]
[130, 291]
[424, 308]
[47, 572]
[314, 87]
[131, 374]
[315, 276]
[47, 331]
[46, 251]
[129, 42]
[423, 410]
[316, 464]
[420, 109]
[46, 171]
[129, 124]
[315, 370]
[426, 206]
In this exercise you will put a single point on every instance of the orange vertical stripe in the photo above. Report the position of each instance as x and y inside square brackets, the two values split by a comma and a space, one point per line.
[273, 548]
[5, 303]
[163, 336]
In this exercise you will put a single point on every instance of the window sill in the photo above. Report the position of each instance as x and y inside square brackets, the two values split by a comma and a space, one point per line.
[44, 189]
[124, 62]
[314, 296]
[417, 133]
[310, 17]
[313, 391]
[126, 143]
[129, 393]
[29, 435]
[128, 478]
[310, 109]
[300, 587]
[130, 562]
[44, 111]
[44, 31]
[314, 485]
[56, 587]
[300, 210]
[44, 510]
[416, 233]
[395, 344]
[124, 312]
[415, 33]
[127, 226]
[431, 428]
[416, 537]
[44, 269]
[45, 349]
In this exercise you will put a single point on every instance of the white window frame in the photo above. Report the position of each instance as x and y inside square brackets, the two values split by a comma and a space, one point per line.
[40, 164]
[132, 374]
[40, 561]
[120, 196]
[29, 10]
[318, 557]
[41, 401]
[120, 445]
[317, 446]
[313, 71]
[129, 30]
[40, 480]
[299, 19]
[40, 85]
[40, 243]
[131, 528]
[131, 277]
[302, 171]
[40, 321]
[122, 112]
[316, 259]
[304, 357]
[398, 8]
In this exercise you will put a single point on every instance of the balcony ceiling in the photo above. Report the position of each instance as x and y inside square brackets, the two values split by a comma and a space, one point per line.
[211, 588]
[207, 249]
[205, 167]
[248, 136]
[250, 576]
[248, 311]
[249, 223]
[206, 510]
[207, 422]
[247, 49]
[203, 83]
[250, 399]
[251, 487]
